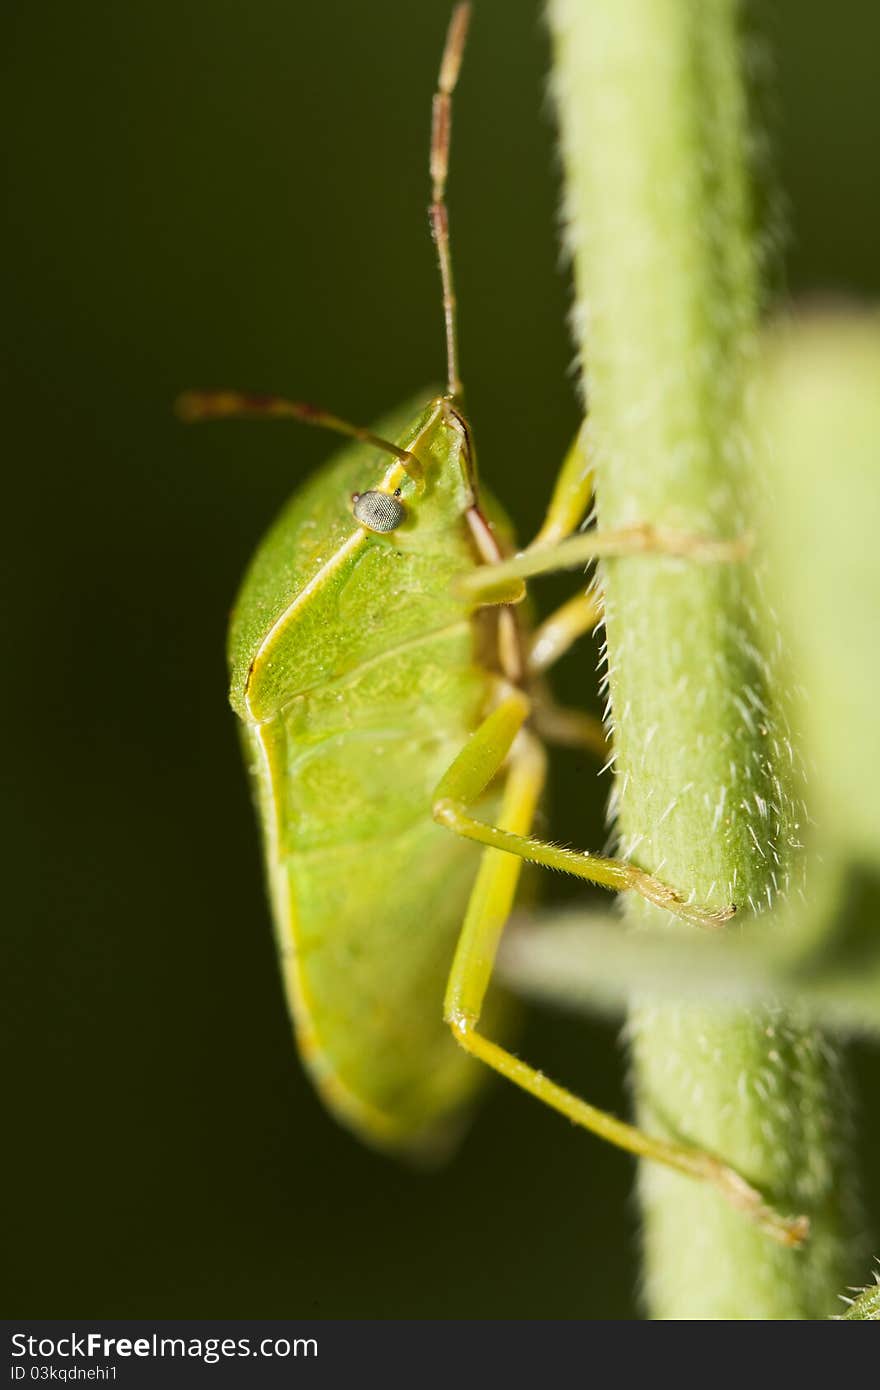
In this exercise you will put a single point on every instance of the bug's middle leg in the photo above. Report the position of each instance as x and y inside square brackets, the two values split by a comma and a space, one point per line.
[488, 909]
[569, 728]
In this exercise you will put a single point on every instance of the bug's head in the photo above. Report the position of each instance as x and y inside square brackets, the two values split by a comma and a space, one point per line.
[430, 485]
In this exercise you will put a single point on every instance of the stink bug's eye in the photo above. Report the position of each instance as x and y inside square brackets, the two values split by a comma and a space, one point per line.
[378, 511]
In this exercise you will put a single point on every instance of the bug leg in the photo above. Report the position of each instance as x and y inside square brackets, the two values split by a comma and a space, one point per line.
[570, 498]
[580, 549]
[481, 758]
[570, 728]
[559, 546]
[571, 494]
[488, 909]
[561, 630]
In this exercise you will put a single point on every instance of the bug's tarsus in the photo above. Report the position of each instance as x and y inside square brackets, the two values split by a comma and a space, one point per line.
[441, 130]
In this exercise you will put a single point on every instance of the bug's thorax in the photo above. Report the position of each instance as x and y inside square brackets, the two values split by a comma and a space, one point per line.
[444, 488]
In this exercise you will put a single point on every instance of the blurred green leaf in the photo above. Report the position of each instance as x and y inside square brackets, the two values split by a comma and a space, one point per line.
[819, 423]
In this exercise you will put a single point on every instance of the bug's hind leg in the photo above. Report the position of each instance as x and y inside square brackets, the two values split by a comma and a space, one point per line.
[481, 758]
[488, 909]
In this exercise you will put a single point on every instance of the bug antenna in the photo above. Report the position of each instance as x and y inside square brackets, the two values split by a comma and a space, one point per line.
[193, 406]
[441, 130]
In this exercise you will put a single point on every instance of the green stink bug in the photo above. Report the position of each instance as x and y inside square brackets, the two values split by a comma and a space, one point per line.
[389, 694]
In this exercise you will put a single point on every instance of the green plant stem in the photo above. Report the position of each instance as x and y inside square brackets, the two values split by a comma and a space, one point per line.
[864, 1307]
[659, 215]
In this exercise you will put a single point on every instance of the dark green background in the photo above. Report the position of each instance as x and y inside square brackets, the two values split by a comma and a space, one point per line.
[202, 193]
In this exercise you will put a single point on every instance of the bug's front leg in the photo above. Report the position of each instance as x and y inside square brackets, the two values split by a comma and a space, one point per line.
[559, 546]
[489, 907]
[482, 584]
[570, 498]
